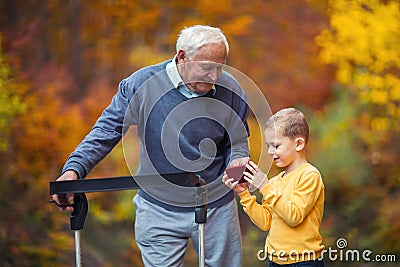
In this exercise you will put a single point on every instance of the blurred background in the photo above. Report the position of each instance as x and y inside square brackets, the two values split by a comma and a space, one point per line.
[61, 62]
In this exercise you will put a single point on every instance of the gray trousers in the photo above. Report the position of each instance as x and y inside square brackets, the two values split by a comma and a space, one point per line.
[162, 235]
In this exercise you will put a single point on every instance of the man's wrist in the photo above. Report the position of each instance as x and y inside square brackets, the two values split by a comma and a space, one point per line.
[239, 161]
[71, 173]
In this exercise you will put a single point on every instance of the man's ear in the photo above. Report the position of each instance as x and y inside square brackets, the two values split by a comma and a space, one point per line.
[300, 143]
[180, 56]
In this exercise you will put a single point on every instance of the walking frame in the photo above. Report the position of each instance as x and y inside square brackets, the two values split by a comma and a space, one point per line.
[82, 186]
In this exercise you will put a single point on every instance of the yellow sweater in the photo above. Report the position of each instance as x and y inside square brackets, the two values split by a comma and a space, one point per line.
[292, 209]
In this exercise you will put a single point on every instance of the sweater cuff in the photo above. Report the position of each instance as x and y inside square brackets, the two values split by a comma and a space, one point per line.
[244, 195]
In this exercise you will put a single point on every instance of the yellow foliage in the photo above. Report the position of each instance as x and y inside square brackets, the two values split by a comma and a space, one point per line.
[207, 6]
[238, 26]
[144, 55]
[10, 101]
[365, 32]
[61, 240]
[380, 124]
[364, 43]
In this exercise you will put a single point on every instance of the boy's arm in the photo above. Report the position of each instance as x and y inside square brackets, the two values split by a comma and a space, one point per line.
[259, 214]
[303, 199]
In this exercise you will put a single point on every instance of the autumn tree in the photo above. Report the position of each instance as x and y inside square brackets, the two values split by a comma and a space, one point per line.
[363, 43]
[10, 102]
[70, 56]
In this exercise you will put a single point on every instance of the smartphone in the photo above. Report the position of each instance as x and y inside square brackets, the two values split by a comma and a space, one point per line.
[236, 172]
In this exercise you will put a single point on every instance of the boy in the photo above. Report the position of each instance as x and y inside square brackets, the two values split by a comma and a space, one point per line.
[293, 201]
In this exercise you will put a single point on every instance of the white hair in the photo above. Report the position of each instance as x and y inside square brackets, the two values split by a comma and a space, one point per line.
[191, 39]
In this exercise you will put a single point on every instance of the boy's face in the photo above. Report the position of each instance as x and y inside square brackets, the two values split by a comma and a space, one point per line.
[282, 149]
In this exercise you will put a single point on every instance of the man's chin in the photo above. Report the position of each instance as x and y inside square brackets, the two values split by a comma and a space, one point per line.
[202, 88]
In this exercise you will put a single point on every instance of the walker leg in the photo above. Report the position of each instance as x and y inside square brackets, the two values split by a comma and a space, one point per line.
[200, 212]
[201, 246]
[78, 257]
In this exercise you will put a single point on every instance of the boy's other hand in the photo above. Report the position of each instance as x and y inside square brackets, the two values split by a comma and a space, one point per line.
[256, 178]
[235, 186]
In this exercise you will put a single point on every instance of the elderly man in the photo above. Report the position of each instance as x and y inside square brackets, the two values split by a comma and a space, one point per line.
[191, 116]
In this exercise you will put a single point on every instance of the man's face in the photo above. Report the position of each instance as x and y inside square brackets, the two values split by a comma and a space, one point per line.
[201, 71]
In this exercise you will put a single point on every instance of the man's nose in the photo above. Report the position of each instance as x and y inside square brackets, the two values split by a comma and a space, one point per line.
[213, 74]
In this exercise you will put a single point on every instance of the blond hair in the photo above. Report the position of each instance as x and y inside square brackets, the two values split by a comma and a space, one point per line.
[290, 122]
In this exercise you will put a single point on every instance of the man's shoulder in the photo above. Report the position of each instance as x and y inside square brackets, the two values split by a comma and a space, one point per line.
[147, 72]
[134, 81]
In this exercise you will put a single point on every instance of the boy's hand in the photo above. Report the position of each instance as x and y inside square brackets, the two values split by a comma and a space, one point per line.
[256, 178]
[235, 186]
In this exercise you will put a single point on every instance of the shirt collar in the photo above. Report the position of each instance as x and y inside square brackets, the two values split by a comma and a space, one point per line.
[178, 83]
